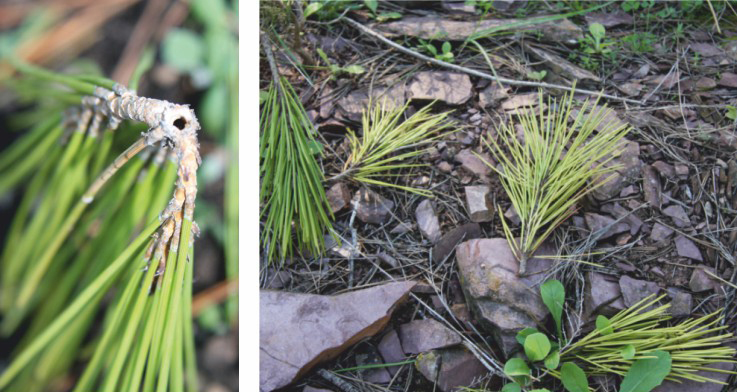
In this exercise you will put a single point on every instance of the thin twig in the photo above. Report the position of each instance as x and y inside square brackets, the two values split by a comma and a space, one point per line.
[479, 74]
[344, 386]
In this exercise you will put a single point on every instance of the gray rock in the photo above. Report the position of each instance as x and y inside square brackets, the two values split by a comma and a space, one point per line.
[450, 88]
[401, 228]
[299, 331]
[660, 233]
[470, 162]
[630, 165]
[391, 350]
[477, 197]
[681, 302]
[431, 27]
[503, 302]
[427, 221]
[492, 95]
[452, 368]
[681, 171]
[339, 197]
[602, 296]
[686, 248]
[373, 375]
[448, 242]
[665, 170]
[597, 222]
[423, 335]
[634, 290]
[628, 217]
[701, 281]
[445, 167]
[609, 19]
[678, 214]
[353, 104]
[308, 388]
[372, 208]
[651, 186]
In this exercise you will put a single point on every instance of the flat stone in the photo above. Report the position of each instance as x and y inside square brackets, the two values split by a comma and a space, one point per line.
[665, 170]
[339, 197]
[423, 335]
[492, 95]
[445, 167]
[373, 375]
[602, 296]
[634, 290]
[503, 302]
[609, 19]
[686, 248]
[430, 27]
[449, 240]
[454, 368]
[681, 171]
[728, 79]
[628, 191]
[427, 221]
[651, 186]
[701, 281]
[391, 350]
[706, 49]
[660, 233]
[472, 163]
[450, 88]
[353, 104]
[629, 170]
[631, 89]
[461, 312]
[277, 279]
[695, 386]
[681, 302]
[299, 331]
[401, 228]
[627, 216]
[308, 388]
[372, 207]
[521, 100]
[678, 214]
[477, 198]
[597, 223]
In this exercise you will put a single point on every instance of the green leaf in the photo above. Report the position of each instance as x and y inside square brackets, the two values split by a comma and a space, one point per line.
[315, 147]
[354, 69]
[383, 17]
[731, 113]
[597, 30]
[573, 378]
[312, 8]
[554, 295]
[540, 390]
[262, 96]
[540, 75]
[552, 360]
[603, 325]
[431, 48]
[628, 352]
[537, 347]
[446, 47]
[212, 13]
[371, 4]
[647, 373]
[516, 367]
[511, 387]
[523, 334]
[182, 49]
[214, 109]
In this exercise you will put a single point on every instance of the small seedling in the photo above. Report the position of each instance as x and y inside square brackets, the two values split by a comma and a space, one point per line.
[537, 75]
[446, 53]
[337, 70]
[634, 344]
[731, 113]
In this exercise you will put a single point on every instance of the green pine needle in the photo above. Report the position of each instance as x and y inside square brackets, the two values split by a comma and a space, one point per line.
[292, 195]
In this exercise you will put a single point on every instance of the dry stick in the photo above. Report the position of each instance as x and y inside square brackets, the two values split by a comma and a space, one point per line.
[344, 386]
[479, 74]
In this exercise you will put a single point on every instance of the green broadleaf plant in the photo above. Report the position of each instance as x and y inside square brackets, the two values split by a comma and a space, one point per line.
[573, 378]
[647, 373]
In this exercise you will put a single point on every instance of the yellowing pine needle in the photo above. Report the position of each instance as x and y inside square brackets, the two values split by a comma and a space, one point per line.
[388, 144]
[555, 165]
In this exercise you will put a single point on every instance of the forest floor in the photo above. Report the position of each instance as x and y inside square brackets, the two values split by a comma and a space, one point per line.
[663, 224]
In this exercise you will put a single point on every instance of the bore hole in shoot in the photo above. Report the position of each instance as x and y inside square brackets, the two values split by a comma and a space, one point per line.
[180, 123]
